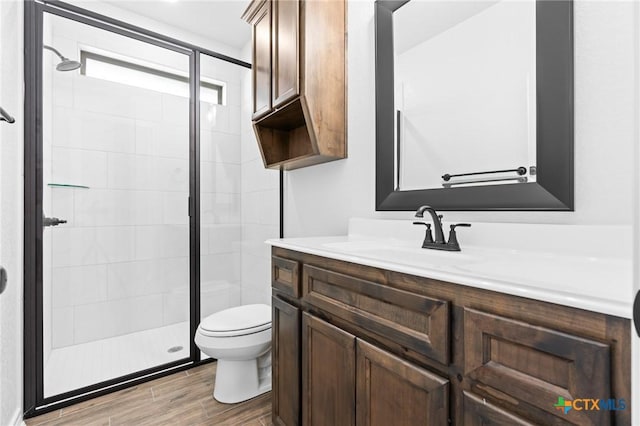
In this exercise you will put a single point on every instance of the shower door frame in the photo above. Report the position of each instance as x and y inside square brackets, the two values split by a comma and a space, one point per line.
[35, 402]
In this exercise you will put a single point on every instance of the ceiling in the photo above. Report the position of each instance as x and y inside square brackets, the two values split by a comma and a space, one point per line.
[218, 20]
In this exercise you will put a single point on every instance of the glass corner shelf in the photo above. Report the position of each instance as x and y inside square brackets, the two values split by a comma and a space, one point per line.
[66, 185]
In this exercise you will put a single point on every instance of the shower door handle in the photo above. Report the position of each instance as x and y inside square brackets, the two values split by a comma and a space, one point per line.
[52, 221]
[3, 279]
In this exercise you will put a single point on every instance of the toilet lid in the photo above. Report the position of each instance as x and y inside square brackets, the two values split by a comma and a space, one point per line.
[239, 320]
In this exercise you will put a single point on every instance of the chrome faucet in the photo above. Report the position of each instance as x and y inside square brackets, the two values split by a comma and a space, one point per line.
[439, 243]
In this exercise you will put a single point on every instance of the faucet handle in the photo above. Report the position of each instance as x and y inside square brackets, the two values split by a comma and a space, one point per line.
[453, 238]
[465, 225]
[427, 236]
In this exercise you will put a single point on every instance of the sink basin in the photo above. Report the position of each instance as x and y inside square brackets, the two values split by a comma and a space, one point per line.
[402, 253]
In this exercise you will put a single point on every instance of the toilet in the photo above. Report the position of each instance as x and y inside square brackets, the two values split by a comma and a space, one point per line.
[240, 339]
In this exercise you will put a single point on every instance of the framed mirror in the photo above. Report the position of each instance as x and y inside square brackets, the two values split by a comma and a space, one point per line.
[474, 104]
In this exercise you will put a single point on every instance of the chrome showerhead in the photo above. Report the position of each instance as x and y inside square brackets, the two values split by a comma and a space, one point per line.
[65, 64]
[68, 65]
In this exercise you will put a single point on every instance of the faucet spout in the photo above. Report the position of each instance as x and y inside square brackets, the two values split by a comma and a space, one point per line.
[437, 225]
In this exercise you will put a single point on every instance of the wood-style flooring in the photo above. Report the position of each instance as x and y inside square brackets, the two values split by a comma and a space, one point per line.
[184, 398]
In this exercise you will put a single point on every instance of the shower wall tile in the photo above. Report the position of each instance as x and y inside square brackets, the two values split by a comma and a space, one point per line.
[62, 204]
[148, 207]
[175, 110]
[223, 238]
[215, 297]
[92, 246]
[62, 324]
[175, 208]
[162, 140]
[96, 207]
[251, 296]
[113, 318]
[79, 285]
[220, 178]
[156, 276]
[109, 98]
[161, 241]
[73, 128]
[256, 272]
[220, 267]
[220, 208]
[219, 147]
[79, 167]
[63, 82]
[221, 118]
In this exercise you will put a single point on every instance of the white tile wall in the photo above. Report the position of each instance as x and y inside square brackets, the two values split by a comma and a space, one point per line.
[112, 318]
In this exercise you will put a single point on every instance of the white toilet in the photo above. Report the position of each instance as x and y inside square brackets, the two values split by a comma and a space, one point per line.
[240, 339]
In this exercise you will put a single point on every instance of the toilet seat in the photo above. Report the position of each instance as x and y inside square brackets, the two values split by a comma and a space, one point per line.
[238, 321]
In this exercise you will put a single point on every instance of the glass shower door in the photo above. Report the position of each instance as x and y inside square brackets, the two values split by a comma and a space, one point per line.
[115, 191]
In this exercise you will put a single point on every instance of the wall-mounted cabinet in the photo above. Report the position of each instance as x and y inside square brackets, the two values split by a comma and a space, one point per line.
[299, 105]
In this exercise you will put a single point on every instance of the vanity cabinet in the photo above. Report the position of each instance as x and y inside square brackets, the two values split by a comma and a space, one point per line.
[299, 80]
[358, 345]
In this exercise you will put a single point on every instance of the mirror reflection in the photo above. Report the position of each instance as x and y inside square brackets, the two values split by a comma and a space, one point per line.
[464, 93]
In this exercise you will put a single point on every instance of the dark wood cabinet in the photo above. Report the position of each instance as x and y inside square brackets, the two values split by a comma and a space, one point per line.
[286, 19]
[392, 391]
[380, 347]
[286, 363]
[478, 412]
[261, 69]
[328, 374]
[299, 84]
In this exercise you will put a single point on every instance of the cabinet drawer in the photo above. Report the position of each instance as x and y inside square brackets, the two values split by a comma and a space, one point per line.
[536, 365]
[478, 412]
[285, 275]
[412, 320]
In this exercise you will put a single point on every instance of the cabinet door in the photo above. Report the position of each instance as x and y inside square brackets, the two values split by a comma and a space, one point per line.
[328, 374]
[535, 366]
[286, 363]
[391, 391]
[286, 15]
[479, 412]
[262, 61]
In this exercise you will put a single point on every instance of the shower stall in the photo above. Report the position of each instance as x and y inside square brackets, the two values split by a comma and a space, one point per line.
[139, 182]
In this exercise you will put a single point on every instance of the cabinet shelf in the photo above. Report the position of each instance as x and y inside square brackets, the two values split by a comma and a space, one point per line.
[299, 81]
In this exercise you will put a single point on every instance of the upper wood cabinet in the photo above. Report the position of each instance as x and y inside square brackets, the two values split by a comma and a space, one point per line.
[299, 81]
[261, 71]
[285, 75]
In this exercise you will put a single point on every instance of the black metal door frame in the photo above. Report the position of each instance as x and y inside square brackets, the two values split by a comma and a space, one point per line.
[34, 401]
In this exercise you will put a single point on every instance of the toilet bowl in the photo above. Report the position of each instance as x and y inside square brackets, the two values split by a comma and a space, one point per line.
[240, 339]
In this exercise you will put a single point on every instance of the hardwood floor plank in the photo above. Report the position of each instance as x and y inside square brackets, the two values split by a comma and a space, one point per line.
[184, 398]
[44, 418]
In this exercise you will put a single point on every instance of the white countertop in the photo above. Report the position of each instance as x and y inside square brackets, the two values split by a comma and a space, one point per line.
[580, 278]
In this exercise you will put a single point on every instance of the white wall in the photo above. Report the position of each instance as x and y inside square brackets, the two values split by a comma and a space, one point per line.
[11, 213]
[260, 207]
[320, 199]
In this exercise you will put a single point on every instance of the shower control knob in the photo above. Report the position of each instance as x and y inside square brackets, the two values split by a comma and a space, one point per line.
[52, 221]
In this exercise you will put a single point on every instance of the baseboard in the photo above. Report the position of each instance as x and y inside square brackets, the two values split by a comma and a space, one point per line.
[16, 419]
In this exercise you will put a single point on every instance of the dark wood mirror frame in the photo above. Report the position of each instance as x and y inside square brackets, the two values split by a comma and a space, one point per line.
[554, 186]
